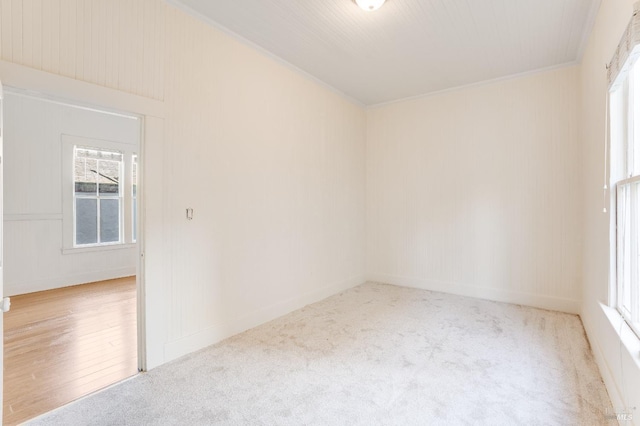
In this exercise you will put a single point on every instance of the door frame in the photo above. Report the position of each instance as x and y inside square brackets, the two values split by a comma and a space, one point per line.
[83, 94]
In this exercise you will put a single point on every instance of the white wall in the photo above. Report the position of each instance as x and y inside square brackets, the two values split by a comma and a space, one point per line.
[33, 211]
[279, 158]
[111, 43]
[619, 363]
[474, 191]
[281, 161]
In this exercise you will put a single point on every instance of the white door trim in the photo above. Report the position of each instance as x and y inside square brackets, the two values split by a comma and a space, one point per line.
[46, 85]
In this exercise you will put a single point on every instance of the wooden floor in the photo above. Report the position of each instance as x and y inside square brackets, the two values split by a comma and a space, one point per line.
[62, 344]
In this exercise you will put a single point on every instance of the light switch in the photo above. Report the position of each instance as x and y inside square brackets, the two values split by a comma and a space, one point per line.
[189, 214]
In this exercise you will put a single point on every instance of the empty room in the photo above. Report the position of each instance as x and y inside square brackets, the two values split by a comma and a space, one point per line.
[338, 212]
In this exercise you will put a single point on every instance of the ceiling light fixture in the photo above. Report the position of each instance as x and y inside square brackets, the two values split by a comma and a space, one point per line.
[370, 5]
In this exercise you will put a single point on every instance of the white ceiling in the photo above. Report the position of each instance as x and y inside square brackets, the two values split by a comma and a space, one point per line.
[409, 47]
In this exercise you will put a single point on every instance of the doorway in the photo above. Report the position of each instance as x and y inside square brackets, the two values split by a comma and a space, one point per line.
[71, 218]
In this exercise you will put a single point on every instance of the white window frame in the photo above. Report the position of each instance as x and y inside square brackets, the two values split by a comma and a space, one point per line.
[624, 113]
[68, 143]
[98, 197]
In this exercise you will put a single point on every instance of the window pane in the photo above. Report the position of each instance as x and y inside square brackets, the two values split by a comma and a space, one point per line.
[97, 154]
[109, 220]
[633, 290]
[134, 175]
[135, 221]
[134, 194]
[86, 221]
[624, 248]
[85, 175]
[617, 113]
[108, 177]
[634, 153]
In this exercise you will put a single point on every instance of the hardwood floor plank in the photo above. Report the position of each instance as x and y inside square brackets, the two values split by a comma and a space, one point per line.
[62, 344]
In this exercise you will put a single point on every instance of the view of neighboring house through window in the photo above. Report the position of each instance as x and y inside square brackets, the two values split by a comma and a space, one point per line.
[625, 181]
[97, 196]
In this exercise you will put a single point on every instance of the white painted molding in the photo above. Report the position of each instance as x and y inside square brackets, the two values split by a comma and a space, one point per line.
[603, 366]
[44, 84]
[69, 281]
[571, 306]
[27, 217]
[98, 248]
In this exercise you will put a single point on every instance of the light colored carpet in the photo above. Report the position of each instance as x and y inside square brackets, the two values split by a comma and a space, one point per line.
[375, 354]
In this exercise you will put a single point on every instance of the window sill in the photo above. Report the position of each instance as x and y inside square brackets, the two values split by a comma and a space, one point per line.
[628, 338]
[76, 250]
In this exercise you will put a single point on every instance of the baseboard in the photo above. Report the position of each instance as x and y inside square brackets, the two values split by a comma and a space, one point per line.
[216, 333]
[68, 281]
[603, 365]
[616, 350]
[499, 295]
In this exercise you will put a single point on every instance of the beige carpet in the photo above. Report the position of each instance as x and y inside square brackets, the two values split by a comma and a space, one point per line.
[375, 354]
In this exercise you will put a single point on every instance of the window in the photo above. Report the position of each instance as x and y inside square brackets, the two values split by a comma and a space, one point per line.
[97, 196]
[625, 183]
[134, 196]
[100, 194]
